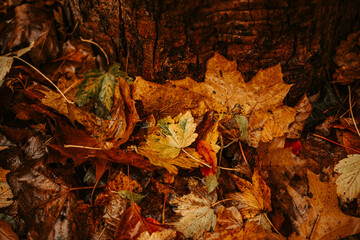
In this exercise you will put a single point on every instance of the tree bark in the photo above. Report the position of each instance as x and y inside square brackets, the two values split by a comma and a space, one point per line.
[166, 39]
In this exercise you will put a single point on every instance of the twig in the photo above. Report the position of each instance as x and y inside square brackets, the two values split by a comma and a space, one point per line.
[83, 147]
[229, 169]
[272, 225]
[315, 135]
[38, 71]
[352, 114]
[243, 154]
[96, 44]
[197, 160]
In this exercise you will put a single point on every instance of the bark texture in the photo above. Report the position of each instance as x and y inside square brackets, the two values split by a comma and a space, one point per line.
[166, 39]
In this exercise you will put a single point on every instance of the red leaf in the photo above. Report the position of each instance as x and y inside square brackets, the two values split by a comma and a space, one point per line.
[204, 149]
[132, 224]
[295, 145]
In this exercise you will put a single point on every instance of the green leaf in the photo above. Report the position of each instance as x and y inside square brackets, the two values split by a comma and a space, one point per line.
[131, 195]
[242, 123]
[348, 183]
[211, 182]
[99, 85]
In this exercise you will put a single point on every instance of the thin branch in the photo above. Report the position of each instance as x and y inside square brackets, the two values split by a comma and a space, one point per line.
[96, 44]
[315, 135]
[197, 160]
[51, 82]
[351, 111]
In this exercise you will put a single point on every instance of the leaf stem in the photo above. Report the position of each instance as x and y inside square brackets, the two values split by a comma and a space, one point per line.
[315, 135]
[197, 160]
[224, 200]
[351, 111]
[51, 82]
[96, 44]
[272, 225]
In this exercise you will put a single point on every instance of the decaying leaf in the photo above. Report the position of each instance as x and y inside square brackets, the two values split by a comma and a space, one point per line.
[319, 216]
[167, 145]
[99, 85]
[224, 90]
[166, 234]
[254, 198]
[303, 110]
[6, 232]
[195, 213]
[132, 224]
[6, 195]
[348, 183]
[131, 196]
[7, 61]
[204, 149]
[124, 115]
[229, 224]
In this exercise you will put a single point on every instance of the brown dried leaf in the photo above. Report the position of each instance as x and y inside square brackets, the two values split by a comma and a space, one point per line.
[6, 233]
[303, 110]
[254, 198]
[319, 216]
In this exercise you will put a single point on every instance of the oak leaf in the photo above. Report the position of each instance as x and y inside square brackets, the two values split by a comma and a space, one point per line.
[348, 183]
[319, 216]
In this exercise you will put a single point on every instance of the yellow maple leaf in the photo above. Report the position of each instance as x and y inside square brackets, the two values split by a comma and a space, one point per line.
[168, 143]
[174, 135]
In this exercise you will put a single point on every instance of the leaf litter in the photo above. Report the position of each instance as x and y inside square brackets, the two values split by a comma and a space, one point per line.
[177, 142]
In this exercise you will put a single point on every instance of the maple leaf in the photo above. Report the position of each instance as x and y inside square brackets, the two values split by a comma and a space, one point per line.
[348, 183]
[319, 216]
[167, 145]
[99, 85]
[175, 135]
[224, 90]
[255, 197]
[195, 212]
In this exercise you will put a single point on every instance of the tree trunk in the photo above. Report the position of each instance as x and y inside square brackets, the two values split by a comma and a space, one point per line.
[166, 39]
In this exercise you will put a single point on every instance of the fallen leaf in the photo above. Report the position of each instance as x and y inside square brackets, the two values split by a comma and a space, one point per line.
[348, 183]
[166, 234]
[195, 213]
[253, 199]
[224, 90]
[7, 61]
[175, 134]
[99, 85]
[6, 233]
[6, 195]
[205, 150]
[318, 215]
[32, 23]
[132, 224]
[167, 145]
[303, 110]
[136, 197]
[165, 100]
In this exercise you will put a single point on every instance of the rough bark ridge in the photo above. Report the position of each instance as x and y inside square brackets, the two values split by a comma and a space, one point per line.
[167, 39]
